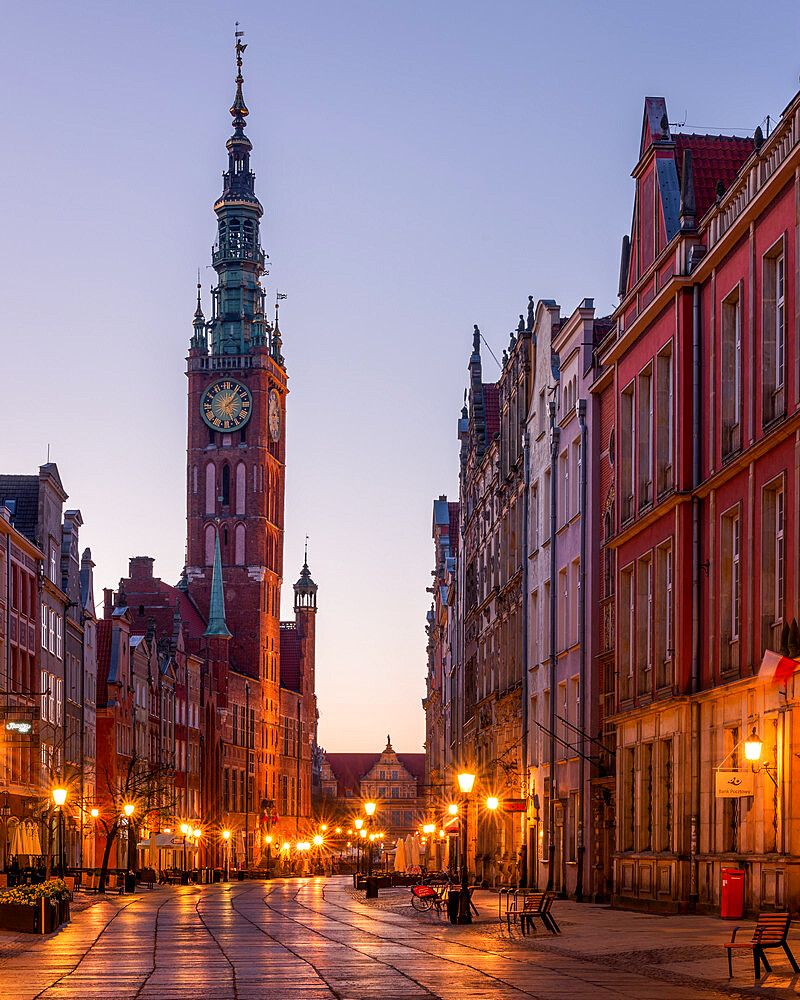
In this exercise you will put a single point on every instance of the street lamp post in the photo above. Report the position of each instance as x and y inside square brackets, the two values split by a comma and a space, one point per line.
[358, 824]
[369, 809]
[268, 839]
[465, 783]
[128, 810]
[184, 831]
[60, 797]
[226, 834]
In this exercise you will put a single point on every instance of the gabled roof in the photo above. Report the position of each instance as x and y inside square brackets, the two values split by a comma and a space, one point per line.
[453, 515]
[714, 158]
[491, 409]
[23, 491]
[350, 768]
[290, 653]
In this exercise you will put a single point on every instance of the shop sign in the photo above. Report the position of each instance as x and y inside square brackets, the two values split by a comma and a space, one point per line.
[514, 805]
[734, 784]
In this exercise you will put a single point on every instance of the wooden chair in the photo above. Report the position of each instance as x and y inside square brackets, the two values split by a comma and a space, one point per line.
[771, 930]
[522, 904]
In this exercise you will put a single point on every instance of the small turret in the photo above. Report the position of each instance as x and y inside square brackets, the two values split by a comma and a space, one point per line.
[305, 590]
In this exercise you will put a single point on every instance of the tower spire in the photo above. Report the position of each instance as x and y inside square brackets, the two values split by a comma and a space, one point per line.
[239, 109]
[216, 607]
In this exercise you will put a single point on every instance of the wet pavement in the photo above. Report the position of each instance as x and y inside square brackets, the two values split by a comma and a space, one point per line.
[310, 938]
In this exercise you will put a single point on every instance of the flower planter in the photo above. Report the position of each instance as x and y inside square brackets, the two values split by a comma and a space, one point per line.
[19, 917]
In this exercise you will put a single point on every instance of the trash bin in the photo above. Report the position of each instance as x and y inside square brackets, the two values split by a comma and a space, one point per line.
[130, 881]
[732, 896]
[453, 904]
[372, 887]
[184, 878]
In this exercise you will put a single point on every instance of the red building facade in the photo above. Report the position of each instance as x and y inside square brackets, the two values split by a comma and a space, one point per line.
[700, 527]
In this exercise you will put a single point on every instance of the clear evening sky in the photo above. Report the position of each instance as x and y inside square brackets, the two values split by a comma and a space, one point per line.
[423, 165]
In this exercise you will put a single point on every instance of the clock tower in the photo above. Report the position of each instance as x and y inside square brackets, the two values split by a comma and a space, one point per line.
[236, 452]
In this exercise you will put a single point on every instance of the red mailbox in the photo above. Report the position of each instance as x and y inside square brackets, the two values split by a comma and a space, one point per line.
[732, 894]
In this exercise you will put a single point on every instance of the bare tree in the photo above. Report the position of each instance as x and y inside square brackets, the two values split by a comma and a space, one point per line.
[140, 783]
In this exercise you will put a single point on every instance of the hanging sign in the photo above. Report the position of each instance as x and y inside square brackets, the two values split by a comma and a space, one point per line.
[734, 784]
[514, 805]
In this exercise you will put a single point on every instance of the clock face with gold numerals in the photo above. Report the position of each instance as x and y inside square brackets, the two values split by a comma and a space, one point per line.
[226, 405]
[274, 415]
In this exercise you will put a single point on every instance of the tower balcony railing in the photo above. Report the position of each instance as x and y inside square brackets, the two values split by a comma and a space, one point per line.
[237, 253]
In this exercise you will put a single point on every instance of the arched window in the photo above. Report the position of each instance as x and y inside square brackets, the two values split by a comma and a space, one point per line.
[209, 544]
[241, 487]
[239, 549]
[226, 485]
[210, 489]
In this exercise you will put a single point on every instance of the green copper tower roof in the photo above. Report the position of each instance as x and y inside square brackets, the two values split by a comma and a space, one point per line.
[216, 608]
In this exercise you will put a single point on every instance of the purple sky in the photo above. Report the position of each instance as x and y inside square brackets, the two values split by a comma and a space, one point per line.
[423, 167]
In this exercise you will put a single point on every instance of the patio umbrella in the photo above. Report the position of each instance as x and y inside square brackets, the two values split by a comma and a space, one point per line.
[415, 851]
[409, 852]
[400, 857]
[16, 839]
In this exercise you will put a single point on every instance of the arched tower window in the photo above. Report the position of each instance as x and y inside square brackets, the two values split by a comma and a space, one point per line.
[241, 487]
[239, 545]
[210, 489]
[209, 544]
[226, 485]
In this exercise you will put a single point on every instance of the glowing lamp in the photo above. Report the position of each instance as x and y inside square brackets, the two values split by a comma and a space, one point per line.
[226, 834]
[369, 808]
[285, 847]
[363, 833]
[465, 782]
[128, 809]
[95, 813]
[338, 829]
[491, 802]
[441, 833]
[197, 833]
[59, 796]
[268, 839]
[453, 809]
[185, 829]
[317, 840]
[428, 828]
[752, 747]
[323, 828]
[359, 823]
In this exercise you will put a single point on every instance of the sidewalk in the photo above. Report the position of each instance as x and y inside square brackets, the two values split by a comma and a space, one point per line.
[683, 950]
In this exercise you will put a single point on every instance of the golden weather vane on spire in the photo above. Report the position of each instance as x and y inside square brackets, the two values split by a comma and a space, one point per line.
[239, 109]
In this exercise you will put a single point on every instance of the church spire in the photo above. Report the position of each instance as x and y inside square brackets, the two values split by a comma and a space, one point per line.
[305, 590]
[216, 608]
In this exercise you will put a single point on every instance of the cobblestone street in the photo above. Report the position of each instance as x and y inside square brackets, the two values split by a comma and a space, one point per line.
[311, 939]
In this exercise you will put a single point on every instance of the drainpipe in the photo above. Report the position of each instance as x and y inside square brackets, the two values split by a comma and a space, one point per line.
[696, 640]
[525, 678]
[581, 408]
[246, 775]
[551, 811]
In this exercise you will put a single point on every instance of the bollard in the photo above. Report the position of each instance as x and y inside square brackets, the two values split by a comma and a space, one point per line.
[372, 887]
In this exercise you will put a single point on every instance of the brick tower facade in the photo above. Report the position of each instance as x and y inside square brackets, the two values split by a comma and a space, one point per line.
[236, 453]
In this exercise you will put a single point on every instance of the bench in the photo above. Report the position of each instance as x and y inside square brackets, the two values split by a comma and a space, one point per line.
[524, 905]
[146, 877]
[770, 932]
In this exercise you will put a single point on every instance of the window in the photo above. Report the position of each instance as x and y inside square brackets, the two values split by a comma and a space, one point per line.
[546, 506]
[644, 427]
[773, 334]
[53, 564]
[563, 609]
[731, 373]
[211, 499]
[575, 584]
[546, 621]
[626, 633]
[773, 558]
[52, 634]
[44, 625]
[574, 498]
[225, 497]
[664, 420]
[663, 623]
[239, 535]
[563, 468]
[730, 589]
[542, 414]
[628, 446]
[535, 516]
[644, 622]
[535, 629]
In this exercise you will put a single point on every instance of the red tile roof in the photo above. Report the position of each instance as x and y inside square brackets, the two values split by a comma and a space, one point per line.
[103, 659]
[452, 509]
[290, 657]
[350, 768]
[714, 158]
[491, 408]
[158, 601]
